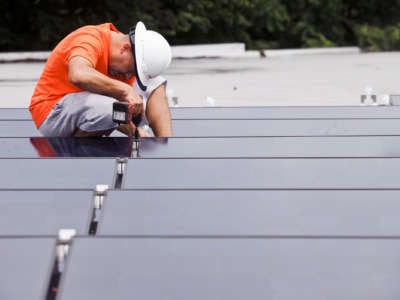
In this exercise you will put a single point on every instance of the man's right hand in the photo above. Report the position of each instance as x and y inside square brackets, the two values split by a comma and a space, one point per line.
[129, 129]
[133, 97]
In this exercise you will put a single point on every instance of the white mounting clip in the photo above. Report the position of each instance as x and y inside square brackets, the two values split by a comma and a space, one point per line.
[121, 163]
[369, 97]
[65, 237]
[394, 100]
[99, 194]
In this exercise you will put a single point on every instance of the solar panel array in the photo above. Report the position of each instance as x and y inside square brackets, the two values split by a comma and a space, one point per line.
[243, 203]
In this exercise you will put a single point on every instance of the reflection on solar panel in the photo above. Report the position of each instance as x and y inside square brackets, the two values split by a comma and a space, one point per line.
[25, 267]
[225, 268]
[81, 147]
[251, 213]
[35, 147]
[316, 173]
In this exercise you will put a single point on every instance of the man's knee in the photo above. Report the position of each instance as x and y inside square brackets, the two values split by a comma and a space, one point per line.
[98, 114]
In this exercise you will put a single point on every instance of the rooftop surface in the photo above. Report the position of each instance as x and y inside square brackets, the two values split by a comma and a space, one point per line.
[319, 79]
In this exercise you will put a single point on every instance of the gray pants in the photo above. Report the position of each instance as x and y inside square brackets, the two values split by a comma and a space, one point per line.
[87, 111]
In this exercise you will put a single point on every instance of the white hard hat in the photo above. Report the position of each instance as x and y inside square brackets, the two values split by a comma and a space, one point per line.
[152, 53]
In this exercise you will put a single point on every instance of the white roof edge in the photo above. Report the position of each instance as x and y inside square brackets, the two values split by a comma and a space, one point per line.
[227, 50]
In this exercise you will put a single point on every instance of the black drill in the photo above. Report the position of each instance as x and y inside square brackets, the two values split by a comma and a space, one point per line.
[121, 115]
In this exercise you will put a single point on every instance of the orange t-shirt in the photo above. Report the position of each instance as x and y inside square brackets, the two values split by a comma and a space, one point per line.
[91, 42]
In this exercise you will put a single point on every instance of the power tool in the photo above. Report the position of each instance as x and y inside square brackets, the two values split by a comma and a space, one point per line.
[123, 114]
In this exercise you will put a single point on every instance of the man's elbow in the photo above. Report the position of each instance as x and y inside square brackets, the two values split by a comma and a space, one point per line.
[78, 71]
[76, 78]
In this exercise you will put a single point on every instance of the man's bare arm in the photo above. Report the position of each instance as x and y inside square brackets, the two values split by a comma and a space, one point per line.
[158, 113]
[85, 76]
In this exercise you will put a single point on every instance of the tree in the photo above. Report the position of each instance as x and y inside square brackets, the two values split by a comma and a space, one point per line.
[373, 24]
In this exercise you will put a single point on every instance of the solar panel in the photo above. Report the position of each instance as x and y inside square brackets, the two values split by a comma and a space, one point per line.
[255, 112]
[12, 128]
[322, 127]
[237, 128]
[34, 147]
[55, 173]
[25, 267]
[242, 203]
[29, 213]
[230, 147]
[286, 112]
[15, 114]
[225, 268]
[373, 173]
[251, 213]
[18, 147]
[264, 147]
[80, 147]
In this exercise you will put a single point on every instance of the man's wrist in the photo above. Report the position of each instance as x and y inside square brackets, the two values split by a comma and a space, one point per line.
[123, 95]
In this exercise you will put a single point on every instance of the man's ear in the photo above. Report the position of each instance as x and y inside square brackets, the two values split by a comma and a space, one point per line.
[125, 47]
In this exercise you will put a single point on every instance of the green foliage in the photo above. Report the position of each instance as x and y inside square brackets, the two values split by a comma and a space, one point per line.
[372, 24]
[379, 39]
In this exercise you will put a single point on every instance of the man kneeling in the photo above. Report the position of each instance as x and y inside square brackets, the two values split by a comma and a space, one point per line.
[93, 67]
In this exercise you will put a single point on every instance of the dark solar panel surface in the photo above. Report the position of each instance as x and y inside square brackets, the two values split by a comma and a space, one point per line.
[241, 204]
[36, 147]
[35, 213]
[224, 268]
[25, 267]
[56, 173]
[251, 213]
[360, 173]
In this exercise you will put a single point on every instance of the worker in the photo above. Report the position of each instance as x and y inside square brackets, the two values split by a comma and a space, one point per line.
[93, 67]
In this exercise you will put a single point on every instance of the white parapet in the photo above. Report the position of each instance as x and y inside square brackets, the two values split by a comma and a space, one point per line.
[184, 51]
[23, 56]
[312, 51]
[209, 50]
[227, 50]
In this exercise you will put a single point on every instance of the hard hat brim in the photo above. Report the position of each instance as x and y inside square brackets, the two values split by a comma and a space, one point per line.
[140, 32]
